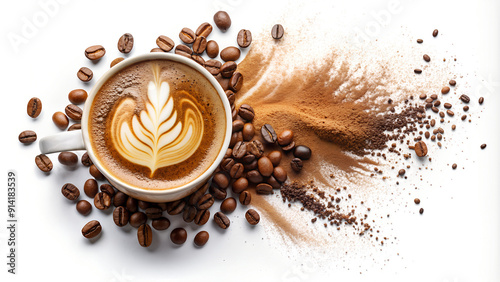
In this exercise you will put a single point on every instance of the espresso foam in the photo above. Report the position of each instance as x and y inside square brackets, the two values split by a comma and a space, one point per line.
[157, 124]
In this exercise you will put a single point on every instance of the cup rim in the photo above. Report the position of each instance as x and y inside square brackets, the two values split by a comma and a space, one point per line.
[146, 57]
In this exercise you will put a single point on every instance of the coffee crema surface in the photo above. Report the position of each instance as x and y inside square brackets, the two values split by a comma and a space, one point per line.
[157, 124]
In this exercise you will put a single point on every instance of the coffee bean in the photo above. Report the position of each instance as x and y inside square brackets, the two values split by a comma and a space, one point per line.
[217, 192]
[90, 188]
[417, 71]
[421, 149]
[187, 35]
[162, 206]
[102, 201]
[445, 90]
[202, 217]
[95, 52]
[198, 59]
[238, 125]
[236, 81]
[60, 120]
[483, 146]
[175, 207]
[115, 62]
[125, 43]
[235, 138]
[68, 158]
[228, 68]
[204, 30]
[240, 184]
[108, 189]
[86, 161]
[120, 199]
[289, 147]
[96, 173]
[189, 213]
[265, 166]
[183, 50]
[212, 49]
[450, 113]
[245, 198]
[227, 164]
[34, 107]
[427, 58]
[252, 216]
[165, 43]
[229, 153]
[77, 96]
[277, 31]
[268, 133]
[421, 211]
[224, 83]
[74, 112]
[205, 202]
[131, 205]
[481, 100]
[275, 157]
[91, 229]
[248, 132]
[145, 235]
[199, 44]
[76, 126]
[401, 172]
[85, 74]
[230, 53]
[416, 201]
[196, 196]
[213, 66]
[435, 33]
[420, 41]
[249, 157]
[70, 191]
[423, 96]
[228, 205]
[285, 137]
[157, 50]
[302, 152]
[143, 205]
[221, 220]
[280, 174]
[178, 236]
[153, 212]
[447, 105]
[454, 166]
[222, 20]
[296, 164]
[254, 176]
[121, 216]
[83, 207]
[464, 98]
[246, 112]
[201, 238]
[236, 171]
[251, 166]
[43, 163]
[271, 180]
[27, 137]
[161, 223]
[264, 189]
[256, 148]
[137, 219]
[239, 150]
[244, 38]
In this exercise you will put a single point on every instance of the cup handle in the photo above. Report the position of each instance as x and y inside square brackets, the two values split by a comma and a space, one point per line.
[64, 141]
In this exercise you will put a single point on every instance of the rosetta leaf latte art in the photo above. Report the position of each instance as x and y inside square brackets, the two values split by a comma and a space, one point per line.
[158, 136]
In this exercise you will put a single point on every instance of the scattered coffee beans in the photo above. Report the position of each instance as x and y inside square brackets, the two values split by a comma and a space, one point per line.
[244, 38]
[161, 223]
[121, 216]
[427, 58]
[145, 235]
[268, 133]
[165, 43]
[74, 112]
[212, 49]
[246, 112]
[70, 191]
[201, 238]
[285, 137]
[277, 31]
[96, 173]
[85, 74]
[125, 43]
[221, 220]
[68, 158]
[116, 61]
[183, 50]
[296, 164]
[83, 207]
[178, 236]
[102, 201]
[252, 217]
[77, 96]
[230, 53]
[137, 219]
[435, 33]
[204, 30]
[245, 198]
[187, 35]
[27, 137]
[91, 229]
[34, 107]
[43, 163]
[86, 161]
[421, 149]
[95, 52]
[222, 20]
[228, 205]
[302, 152]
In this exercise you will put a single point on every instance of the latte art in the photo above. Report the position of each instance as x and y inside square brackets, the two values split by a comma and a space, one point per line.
[157, 137]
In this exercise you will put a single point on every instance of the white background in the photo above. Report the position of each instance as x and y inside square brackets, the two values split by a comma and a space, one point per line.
[457, 239]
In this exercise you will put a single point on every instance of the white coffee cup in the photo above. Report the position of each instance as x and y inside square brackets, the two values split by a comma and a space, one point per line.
[79, 139]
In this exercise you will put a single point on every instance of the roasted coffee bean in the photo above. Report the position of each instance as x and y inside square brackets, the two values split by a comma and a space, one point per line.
[70, 191]
[465, 98]
[285, 137]
[417, 71]
[228, 68]
[115, 62]
[74, 112]
[230, 53]
[239, 185]
[154, 212]
[254, 176]
[251, 166]
[137, 219]
[91, 229]
[252, 216]
[280, 174]
[452, 82]
[277, 31]
[221, 220]
[289, 147]
[244, 38]
[420, 41]
[125, 43]
[235, 138]
[96, 173]
[236, 81]
[427, 58]
[205, 202]
[145, 235]
[275, 157]
[178, 236]
[157, 50]
[161, 223]
[143, 205]
[86, 161]
[204, 30]
[421, 149]
[483, 146]
[217, 192]
[196, 196]
[447, 105]
[423, 96]
[175, 207]
[68, 158]
[236, 171]
[296, 164]
[481, 100]
[187, 35]
[239, 150]
[273, 182]
[121, 216]
[212, 49]
[27, 137]
[238, 125]
[264, 189]
[189, 213]
[202, 217]
[199, 44]
[201, 238]
[268, 133]
[120, 199]
[228, 205]
[43, 163]
[246, 112]
[213, 66]
[85, 74]
[132, 205]
[76, 126]
[229, 153]
[450, 113]
[265, 166]
[227, 164]
[83, 207]
[221, 180]
[90, 188]
[77, 96]
[445, 90]
[60, 120]
[256, 148]
[249, 157]
[245, 198]
[34, 107]
[183, 50]
[248, 132]
[224, 83]
[435, 33]
[198, 59]
[222, 20]
[302, 152]
[95, 52]
[102, 201]
[165, 43]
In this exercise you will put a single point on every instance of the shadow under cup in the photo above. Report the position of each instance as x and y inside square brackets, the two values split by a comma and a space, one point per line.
[157, 126]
